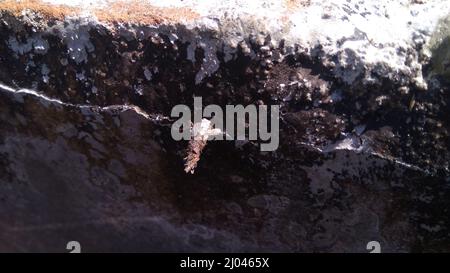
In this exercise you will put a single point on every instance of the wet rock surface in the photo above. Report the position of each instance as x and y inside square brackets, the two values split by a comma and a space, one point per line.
[86, 152]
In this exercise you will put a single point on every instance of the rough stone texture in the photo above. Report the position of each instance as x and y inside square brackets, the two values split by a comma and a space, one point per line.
[85, 146]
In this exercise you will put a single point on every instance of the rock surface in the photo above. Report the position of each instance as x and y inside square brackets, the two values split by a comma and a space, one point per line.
[85, 147]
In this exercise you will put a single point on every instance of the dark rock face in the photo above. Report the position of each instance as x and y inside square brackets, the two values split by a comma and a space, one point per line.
[88, 155]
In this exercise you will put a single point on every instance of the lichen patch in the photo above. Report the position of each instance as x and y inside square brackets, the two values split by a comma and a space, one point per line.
[294, 4]
[48, 11]
[132, 12]
[139, 12]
